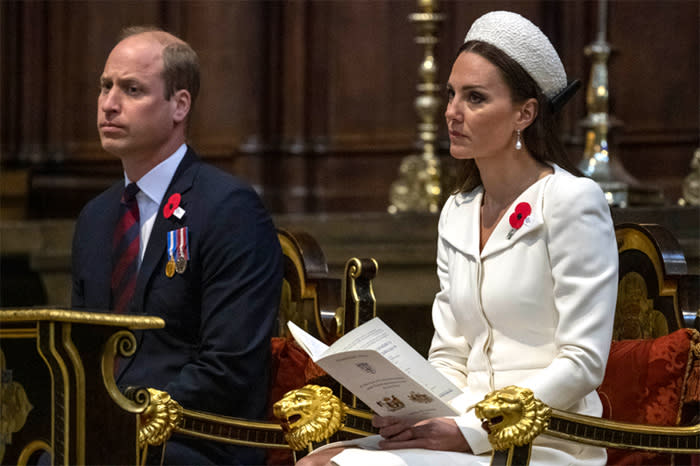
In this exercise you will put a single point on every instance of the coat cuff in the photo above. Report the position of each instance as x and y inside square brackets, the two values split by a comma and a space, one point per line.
[476, 436]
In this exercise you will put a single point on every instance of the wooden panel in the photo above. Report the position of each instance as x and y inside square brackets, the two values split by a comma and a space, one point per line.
[227, 38]
[312, 101]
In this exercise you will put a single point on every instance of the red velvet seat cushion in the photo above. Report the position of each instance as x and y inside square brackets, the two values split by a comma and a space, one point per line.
[291, 368]
[645, 383]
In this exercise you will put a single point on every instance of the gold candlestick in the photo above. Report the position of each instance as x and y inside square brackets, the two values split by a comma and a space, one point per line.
[621, 189]
[418, 187]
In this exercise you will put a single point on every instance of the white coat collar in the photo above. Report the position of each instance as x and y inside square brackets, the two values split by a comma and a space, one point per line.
[460, 222]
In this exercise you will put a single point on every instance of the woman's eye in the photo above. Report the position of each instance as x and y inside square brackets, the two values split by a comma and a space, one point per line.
[450, 93]
[475, 98]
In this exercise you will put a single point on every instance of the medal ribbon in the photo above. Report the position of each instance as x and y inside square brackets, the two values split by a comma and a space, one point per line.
[182, 243]
[171, 245]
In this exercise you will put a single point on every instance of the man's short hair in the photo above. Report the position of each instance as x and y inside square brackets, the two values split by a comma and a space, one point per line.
[180, 61]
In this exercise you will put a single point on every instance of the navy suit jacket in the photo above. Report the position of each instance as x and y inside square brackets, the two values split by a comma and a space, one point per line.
[213, 354]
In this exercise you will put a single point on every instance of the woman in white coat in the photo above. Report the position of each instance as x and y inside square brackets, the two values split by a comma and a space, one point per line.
[527, 259]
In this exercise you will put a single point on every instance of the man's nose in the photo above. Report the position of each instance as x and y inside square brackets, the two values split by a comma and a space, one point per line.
[110, 102]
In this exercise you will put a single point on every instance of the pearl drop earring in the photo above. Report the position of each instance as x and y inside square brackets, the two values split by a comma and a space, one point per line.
[518, 143]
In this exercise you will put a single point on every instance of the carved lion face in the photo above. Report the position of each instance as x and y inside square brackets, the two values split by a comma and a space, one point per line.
[512, 416]
[309, 414]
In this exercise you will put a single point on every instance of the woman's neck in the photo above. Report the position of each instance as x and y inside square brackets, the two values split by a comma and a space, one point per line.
[504, 179]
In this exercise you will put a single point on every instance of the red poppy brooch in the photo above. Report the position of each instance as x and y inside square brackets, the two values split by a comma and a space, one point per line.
[172, 207]
[517, 218]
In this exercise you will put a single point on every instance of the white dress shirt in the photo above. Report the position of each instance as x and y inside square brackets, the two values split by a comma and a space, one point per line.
[152, 188]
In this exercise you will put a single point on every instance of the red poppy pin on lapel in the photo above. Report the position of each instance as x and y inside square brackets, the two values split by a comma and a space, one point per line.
[517, 218]
[172, 207]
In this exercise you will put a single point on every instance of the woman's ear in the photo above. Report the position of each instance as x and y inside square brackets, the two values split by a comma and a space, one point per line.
[182, 102]
[527, 113]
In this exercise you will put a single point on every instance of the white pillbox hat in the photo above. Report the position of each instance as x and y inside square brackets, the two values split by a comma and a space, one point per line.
[526, 44]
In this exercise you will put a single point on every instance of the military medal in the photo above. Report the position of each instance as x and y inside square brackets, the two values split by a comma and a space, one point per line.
[183, 251]
[180, 264]
[170, 266]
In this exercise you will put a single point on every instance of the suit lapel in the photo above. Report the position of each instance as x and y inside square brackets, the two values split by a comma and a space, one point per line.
[157, 242]
[499, 239]
[462, 228]
[102, 234]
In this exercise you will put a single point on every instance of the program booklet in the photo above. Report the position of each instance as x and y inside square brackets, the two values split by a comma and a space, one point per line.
[384, 371]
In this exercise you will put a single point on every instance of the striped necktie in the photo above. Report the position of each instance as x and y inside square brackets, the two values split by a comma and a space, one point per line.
[125, 259]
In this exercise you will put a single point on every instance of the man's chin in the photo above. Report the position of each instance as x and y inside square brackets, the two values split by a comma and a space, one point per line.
[114, 146]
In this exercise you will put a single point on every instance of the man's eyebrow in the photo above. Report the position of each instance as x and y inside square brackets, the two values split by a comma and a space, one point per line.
[127, 81]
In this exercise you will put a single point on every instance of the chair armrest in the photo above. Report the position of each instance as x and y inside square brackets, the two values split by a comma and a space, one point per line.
[514, 418]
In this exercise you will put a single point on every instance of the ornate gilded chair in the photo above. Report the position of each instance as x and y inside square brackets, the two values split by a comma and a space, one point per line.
[651, 388]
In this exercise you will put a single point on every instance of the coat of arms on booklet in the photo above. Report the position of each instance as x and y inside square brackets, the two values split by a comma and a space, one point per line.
[383, 371]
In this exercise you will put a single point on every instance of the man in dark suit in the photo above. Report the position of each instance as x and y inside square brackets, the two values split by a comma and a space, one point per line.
[206, 255]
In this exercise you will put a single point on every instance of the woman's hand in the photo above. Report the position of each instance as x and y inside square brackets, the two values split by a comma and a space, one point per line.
[433, 434]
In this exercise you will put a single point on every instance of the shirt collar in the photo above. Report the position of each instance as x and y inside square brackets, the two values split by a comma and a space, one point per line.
[154, 183]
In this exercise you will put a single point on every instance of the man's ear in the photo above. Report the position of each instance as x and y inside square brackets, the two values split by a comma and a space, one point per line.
[182, 101]
[527, 113]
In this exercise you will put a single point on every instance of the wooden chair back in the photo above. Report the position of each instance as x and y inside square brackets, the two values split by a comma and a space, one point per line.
[655, 294]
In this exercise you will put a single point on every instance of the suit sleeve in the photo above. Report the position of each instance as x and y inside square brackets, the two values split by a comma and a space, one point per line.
[241, 276]
[77, 288]
[449, 349]
[584, 261]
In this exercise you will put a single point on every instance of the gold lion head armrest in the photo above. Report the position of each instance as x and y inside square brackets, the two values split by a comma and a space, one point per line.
[512, 417]
[309, 414]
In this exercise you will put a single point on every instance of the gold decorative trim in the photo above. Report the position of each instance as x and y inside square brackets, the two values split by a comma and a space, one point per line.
[289, 251]
[32, 447]
[235, 423]
[66, 405]
[245, 443]
[80, 413]
[513, 415]
[371, 287]
[22, 333]
[308, 291]
[631, 239]
[512, 423]
[14, 407]
[309, 414]
[158, 421]
[49, 366]
[597, 422]
[362, 414]
[590, 424]
[353, 270]
[81, 317]
[230, 421]
[352, 430]
[124, 343]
